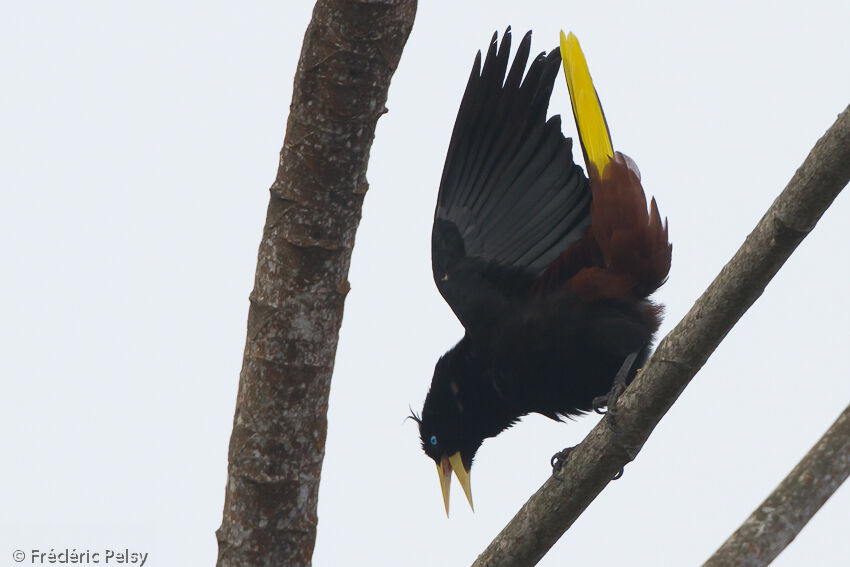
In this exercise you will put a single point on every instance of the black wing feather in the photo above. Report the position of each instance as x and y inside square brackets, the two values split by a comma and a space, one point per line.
[511, 198]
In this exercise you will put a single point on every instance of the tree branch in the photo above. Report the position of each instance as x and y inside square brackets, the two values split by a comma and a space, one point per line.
[798, 497]
[350, 51]
[620, 435]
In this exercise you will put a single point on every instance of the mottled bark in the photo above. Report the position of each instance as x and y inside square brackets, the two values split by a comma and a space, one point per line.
[350, 51]
[619, 436]
[783, 514]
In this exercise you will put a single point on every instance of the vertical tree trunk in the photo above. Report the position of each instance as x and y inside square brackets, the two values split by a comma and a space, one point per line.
[350, 51]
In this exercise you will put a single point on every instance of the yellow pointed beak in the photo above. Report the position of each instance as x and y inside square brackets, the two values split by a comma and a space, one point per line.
[444, 470]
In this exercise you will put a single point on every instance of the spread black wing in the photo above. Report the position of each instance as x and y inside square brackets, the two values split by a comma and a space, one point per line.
[511, 198]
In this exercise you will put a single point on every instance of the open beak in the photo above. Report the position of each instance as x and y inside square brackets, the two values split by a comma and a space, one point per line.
[444, 470]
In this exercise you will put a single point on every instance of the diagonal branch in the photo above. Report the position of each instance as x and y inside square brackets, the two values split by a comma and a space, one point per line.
[619, 436]
[350, 51]
[783, 514]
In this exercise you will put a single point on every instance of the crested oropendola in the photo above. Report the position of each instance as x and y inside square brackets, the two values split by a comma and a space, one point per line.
[548, 270]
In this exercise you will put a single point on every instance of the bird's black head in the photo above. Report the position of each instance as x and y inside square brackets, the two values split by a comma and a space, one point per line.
[448, 428]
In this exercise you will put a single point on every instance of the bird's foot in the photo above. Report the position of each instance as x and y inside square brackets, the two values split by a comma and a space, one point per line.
[610, 399]
[558, 459]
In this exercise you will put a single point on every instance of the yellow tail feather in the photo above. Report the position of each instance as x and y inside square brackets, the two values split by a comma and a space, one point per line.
[592, 129]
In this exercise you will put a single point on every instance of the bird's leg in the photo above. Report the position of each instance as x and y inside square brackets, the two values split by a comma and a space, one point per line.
[610, 399]
[617, 388]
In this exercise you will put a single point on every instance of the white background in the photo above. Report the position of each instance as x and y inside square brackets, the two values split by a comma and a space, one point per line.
[138, 144]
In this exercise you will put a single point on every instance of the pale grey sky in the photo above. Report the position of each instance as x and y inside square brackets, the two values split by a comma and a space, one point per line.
[139, 141]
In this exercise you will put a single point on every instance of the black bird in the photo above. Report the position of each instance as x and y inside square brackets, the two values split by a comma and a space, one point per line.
[548, 270]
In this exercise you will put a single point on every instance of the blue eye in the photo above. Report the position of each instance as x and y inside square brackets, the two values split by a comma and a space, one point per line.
[433, 440]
